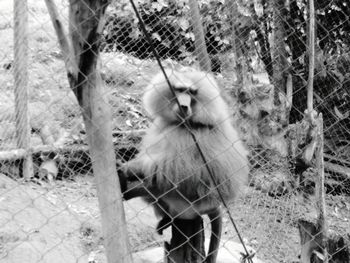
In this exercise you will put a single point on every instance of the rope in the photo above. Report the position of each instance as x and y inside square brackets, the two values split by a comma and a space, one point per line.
[247, 256]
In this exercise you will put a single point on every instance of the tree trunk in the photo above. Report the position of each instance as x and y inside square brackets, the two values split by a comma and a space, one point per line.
[20, 71]
[278, 49]
[86, 20]
[199, 41]
[311, 238]
[241, 66]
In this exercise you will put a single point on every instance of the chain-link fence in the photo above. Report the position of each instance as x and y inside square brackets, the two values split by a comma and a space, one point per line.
[176, 149]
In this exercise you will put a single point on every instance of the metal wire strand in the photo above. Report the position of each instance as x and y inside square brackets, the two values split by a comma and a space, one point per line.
[247, 256]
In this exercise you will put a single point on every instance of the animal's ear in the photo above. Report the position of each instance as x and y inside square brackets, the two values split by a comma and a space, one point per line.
[153, 93]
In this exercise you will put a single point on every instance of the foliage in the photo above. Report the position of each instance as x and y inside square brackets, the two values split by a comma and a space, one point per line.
[332, 60]
[168, 23]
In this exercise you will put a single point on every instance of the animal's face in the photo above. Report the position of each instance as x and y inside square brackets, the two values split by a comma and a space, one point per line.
[183, 106]
[196, 98]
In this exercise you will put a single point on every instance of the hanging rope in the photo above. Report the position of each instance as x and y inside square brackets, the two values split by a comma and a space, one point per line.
[247, 257]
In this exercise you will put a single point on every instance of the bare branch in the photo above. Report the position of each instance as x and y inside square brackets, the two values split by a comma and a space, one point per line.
[310, 85]
[63, 41]
[199, 42]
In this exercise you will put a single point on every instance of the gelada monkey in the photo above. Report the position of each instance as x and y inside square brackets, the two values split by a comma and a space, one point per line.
[171, 172]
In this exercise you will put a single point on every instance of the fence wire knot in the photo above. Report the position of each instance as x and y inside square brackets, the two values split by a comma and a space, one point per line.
[247, 257]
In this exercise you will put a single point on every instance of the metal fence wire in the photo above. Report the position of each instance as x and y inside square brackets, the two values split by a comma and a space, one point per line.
[283, 92]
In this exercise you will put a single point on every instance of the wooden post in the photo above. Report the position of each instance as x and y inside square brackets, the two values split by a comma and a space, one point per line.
[278, 49]
[86, 24]
[86, 21]
[314, 233]
[311, 41]
[199, 38]
[315, 148]
[311, 237]
[241, 67]
[67, 51]
[320, 188]
[310, 240]
[21, 85]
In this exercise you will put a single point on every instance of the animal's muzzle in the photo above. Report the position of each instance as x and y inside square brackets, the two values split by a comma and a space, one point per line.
[185, 110]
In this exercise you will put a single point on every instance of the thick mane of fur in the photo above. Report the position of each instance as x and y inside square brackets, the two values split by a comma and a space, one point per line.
[169, 155]
[173, 176]
[172, 159]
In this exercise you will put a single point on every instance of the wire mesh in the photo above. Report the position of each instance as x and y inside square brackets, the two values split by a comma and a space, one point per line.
[253, 46]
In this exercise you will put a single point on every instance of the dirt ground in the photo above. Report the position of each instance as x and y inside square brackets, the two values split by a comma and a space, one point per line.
[61, 222]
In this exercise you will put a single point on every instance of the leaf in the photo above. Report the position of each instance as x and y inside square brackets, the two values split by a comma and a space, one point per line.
[190, 36]
[156, 6]
[159, 5]
[166, 43]
[225, 41]
[340, 115]
[183, 23]
[128, 122]
[156, 36]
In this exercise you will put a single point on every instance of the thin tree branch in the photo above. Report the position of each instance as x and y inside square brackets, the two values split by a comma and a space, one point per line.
[66, 48]
[310, 85]
[199, 42]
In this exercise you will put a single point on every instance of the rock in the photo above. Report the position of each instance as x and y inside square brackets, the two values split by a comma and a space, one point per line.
[230, 252]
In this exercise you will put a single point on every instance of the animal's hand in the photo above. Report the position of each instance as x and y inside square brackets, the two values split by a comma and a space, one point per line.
[123, 179]
[119, 164]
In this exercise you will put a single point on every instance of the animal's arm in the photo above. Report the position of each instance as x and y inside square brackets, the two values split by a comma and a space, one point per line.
[131, 170]
[131, 180]
[215, 217]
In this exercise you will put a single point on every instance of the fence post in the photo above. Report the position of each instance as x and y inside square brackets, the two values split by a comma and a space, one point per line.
[278, 49]
[199, 38]
[20, 72]
[86, 20]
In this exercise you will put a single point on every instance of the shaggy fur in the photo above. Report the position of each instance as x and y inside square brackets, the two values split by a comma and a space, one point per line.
[168, 156]
[173, 175]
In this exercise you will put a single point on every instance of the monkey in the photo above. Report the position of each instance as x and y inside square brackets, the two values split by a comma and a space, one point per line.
[170, 169]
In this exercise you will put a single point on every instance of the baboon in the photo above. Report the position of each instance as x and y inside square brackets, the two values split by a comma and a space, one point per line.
[170, 168]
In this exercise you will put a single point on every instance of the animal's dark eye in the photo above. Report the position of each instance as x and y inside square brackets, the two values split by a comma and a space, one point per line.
[193, 102]
[181, 90]
[193, 92]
